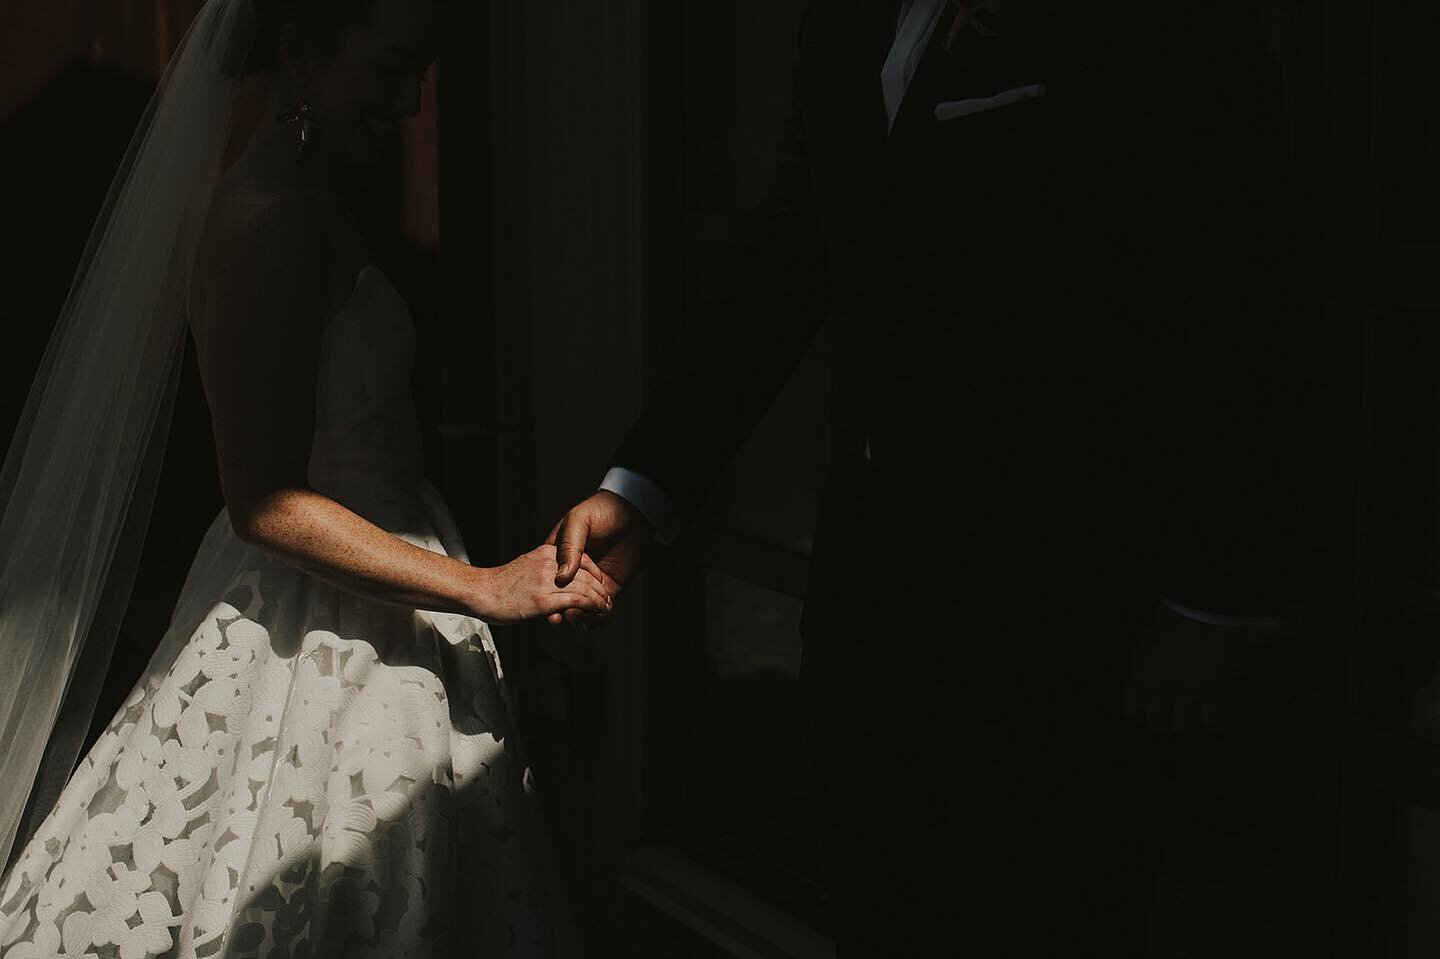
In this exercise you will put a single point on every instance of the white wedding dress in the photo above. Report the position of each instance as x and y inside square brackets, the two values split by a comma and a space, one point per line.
[303, 772]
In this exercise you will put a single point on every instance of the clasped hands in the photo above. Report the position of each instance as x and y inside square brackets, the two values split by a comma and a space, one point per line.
[575, 575]
[606, 537]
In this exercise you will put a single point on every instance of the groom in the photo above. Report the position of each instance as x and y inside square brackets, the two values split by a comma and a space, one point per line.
[1045, 237]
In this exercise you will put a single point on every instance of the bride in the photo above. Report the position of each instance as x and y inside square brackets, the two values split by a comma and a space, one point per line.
[318, 759]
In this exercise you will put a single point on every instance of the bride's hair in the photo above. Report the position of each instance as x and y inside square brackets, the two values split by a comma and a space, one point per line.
[323, 23]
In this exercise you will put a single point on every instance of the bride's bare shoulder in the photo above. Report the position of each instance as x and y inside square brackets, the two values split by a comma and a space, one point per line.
[261, 246]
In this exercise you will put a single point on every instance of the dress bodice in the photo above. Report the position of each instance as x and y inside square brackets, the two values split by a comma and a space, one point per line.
[367, 437]
[301, 762]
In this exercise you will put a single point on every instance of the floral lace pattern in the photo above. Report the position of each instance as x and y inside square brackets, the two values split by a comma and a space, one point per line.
[301, 773]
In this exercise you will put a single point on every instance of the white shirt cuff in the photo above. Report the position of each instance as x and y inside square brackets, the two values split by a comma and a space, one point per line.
[642, 493]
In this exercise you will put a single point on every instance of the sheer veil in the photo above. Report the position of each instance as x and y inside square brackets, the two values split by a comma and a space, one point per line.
[79, 477]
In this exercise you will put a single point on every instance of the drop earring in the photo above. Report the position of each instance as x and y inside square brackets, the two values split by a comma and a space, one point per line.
[299, 114]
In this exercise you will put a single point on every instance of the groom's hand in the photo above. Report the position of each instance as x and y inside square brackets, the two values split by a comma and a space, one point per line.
[614, 534]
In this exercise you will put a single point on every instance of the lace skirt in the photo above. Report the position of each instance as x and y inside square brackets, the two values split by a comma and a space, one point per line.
[301, 772]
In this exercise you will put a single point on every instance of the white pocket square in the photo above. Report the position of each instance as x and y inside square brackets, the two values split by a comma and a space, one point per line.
[953, 109]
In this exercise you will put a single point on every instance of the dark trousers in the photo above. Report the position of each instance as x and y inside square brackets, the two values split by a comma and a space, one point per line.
[979, 794]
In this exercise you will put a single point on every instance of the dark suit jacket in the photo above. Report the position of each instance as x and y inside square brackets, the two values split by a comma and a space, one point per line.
[1063, 322]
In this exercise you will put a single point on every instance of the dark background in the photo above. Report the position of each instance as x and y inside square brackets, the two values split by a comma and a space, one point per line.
[552, 214]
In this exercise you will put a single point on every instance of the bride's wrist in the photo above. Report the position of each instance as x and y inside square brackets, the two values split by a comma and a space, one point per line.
[478, 594]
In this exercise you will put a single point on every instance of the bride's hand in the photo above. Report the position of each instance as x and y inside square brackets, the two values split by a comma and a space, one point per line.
[524, 589]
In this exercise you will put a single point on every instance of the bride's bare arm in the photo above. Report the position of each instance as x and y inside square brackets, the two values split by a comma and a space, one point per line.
[262, 297]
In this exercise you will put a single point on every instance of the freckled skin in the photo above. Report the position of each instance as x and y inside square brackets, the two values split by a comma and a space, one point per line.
[277, 260]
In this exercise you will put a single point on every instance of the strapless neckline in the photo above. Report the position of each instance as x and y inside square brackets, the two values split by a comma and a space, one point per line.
[367, 438]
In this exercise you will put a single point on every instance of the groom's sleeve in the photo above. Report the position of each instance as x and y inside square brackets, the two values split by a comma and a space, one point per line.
[756, 328]
[641, 493]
